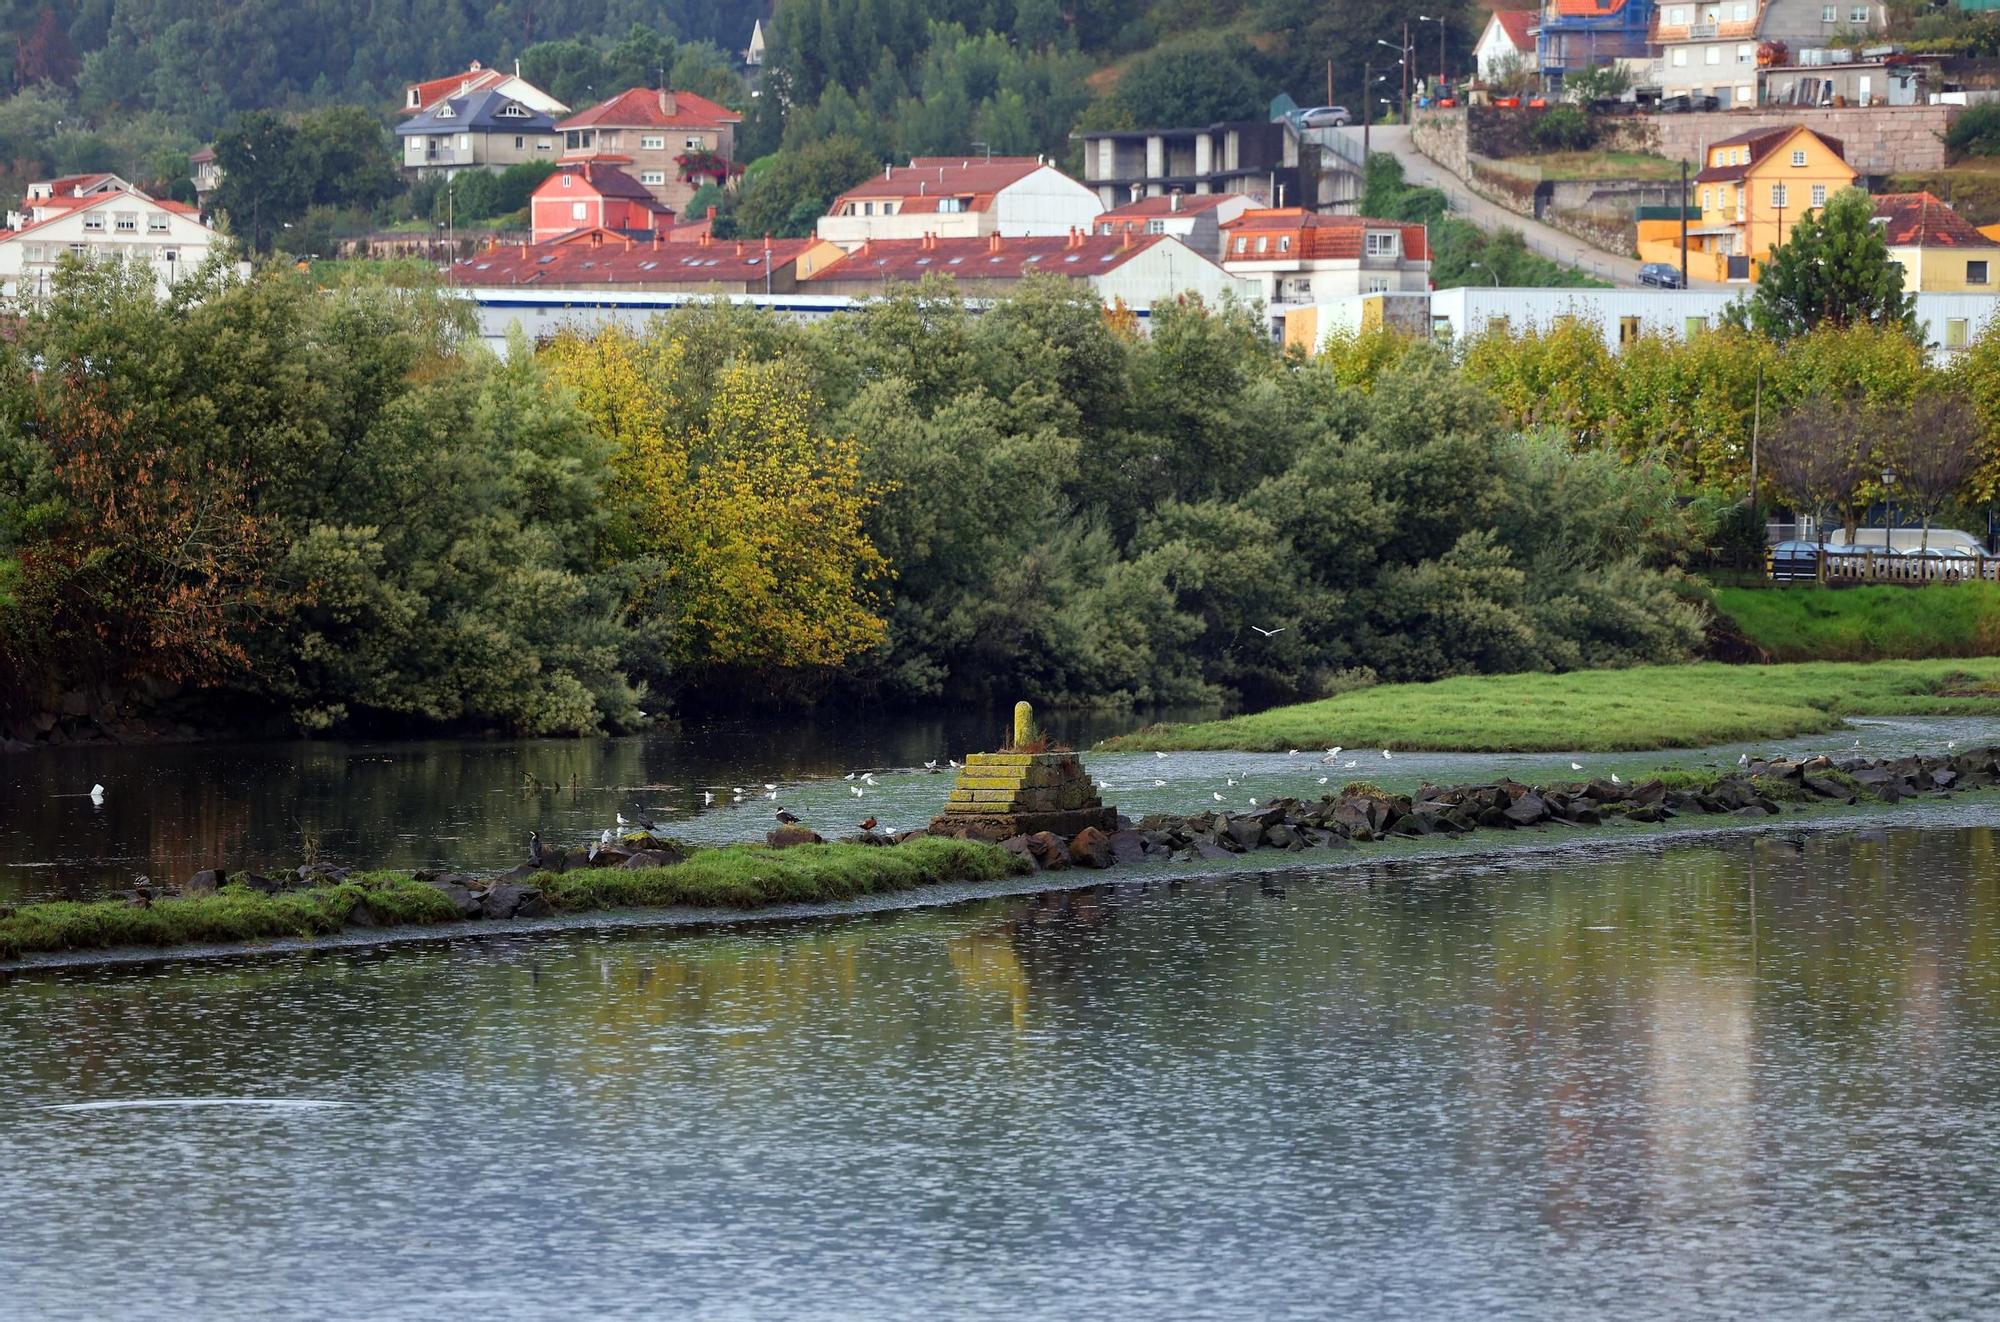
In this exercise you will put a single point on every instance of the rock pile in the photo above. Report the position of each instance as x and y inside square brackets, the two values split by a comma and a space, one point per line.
[1361, 814]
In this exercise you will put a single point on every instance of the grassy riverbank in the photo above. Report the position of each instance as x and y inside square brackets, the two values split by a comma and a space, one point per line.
[1810, 623]
[1600, 710]
[737, 877]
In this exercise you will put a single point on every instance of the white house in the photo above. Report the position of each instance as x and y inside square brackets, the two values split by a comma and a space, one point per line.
[957, 197]
[1507, 42]
[81, 216]
[419, 97]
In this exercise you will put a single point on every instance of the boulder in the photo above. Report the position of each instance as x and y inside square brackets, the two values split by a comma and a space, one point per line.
[786, 837]
[509, 899]
[1247, 832]
[608, 856]
[1091, 848]
[1204, 849]
[1018, 845]
[1050, 851]
[256, 881]
[650, 858]
[1527, 810]
[1128, 847]
[363, 914]
[203, 882]
[461, 897]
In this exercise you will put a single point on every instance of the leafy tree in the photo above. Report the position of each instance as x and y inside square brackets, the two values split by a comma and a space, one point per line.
[1933, 443]
[1834, 269]
[1976, 131]
[45, 54]
[1820, 457]
[1195, 86]
[1563, 128]
[347, 158]
[794, 188]
[265, 181]
[1604, 82]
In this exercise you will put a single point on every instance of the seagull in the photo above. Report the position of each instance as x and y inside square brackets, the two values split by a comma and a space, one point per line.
[1268, 633]
[1857, 743]
[1349, 765]
[868, 776]
[1322, 780]
[707, 796]
[1615, 780]
[1385, 755]
[1253, 803]
[1743, 760]
[787, 818]
[1576, 766]
[848, 776]
[855, 790]
[605, 839]
[1230, 779]
[1159, 755]
[621, 820]
[931, 765]
[97, 794]
[772, 795]
[1217, 797]
[769, 786]
[1951, 743]
[1159, 784]
[952, 762]
[1293, 753]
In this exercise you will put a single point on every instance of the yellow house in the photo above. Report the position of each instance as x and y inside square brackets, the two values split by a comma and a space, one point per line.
[1754, 188]
[1939, 249]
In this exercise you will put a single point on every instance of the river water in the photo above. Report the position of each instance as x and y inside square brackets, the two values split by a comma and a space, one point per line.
[169, 811]
[1748, 1075]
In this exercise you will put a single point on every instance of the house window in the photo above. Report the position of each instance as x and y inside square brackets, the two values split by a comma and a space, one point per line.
[1160, 227]
[1704, 199]
[1694, 326]
[1680, 57]
[1284, 243]
[1975, 273]
[1819, 195]
[1829, 14]
[695, 142]
[1798, 158]
[951, 205]
[446, 112]
[867, 208]
[1746, 53]
[156, 224]
[520, 142]
[1741, 13]
[1381, 244]
[568, 179]
[1858, 15]
[545, 144]
[128, 222]
[1628, 330]
[78, 250]
[1263, 242]
[1778, 195]
[1242, 245]
[653, 142]
[1954, 332]
[1496, 325]
[578, 210]
[170, 254]
[1678, 17]
[93, 224]
[31, 252]
[512, 111]
[652, 178]
[1377, 284]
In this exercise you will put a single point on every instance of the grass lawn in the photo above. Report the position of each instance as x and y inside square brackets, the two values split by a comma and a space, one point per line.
[1600, 165]
[736, 876]
[1809, 622]
[1601, 710]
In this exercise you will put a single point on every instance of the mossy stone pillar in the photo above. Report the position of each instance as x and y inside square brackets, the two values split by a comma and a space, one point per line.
[1024, 724]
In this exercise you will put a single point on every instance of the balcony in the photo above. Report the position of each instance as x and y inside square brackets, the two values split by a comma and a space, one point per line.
[1702, 31]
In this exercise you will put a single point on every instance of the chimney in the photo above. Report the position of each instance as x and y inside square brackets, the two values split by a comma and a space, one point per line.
[1174, 200]
[888, 171]
[670, 105]
[867, 246]
[517, 66]
[1135, 193]
[1125, 244]
[993, 242]
[708, 238]
[739, 247]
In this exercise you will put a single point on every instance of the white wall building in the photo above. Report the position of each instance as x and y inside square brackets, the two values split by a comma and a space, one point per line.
[960, 197]
[98, 225]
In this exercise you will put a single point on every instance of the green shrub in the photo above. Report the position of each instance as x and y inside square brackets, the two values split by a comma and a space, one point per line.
[1563, 128]
[1976, 132]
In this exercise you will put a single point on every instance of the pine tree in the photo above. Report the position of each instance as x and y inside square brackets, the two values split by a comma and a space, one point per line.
[1834, 269]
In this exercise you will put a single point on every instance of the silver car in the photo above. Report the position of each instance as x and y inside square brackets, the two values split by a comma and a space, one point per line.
[1326, 117]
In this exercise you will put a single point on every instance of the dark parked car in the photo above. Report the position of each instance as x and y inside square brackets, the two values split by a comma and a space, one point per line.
[1661, 275]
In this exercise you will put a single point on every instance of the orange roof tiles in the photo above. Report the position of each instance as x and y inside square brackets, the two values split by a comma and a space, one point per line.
[642, 107]
[1922, 220]
[1316, 236]
[920, 184]
[1516, 23]
[630, 262]
[1076, 254]
[1147, 207]
[1588, 8]
[433, 90]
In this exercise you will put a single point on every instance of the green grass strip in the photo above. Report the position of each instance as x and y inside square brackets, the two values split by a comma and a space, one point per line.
[1806, 622]
[1600, 710]
[737, 876]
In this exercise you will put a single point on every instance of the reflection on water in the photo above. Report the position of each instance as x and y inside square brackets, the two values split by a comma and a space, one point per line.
[1755, 1077]
[172, 810]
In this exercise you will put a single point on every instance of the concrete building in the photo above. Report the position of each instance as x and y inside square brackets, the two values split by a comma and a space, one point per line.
[98, 218]
[1139, 270]
[672, 142]
[1507, 42]
[1196, 221]
[1298, 256]
[1588, 34]
[1716, 47]
[956, 197]
[592, 195]
[206, 172]
[1939, 249]
[1256, 158]
[481, 130]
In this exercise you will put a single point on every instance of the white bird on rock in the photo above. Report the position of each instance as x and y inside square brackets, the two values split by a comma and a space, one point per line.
[605, 839]
[1253, 803]
[1615, 780]
[621, 820]
[1743, 760]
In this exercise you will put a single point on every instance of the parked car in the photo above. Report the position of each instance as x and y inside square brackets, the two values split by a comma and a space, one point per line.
[1661, 275]
[1326, 117]
[1795, 560]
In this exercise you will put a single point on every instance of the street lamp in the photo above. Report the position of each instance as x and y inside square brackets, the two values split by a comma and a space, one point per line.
[1489, 270]
[1426, 18]
[1888, 485]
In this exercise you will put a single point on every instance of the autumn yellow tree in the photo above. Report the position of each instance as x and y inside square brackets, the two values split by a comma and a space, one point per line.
[743, 520]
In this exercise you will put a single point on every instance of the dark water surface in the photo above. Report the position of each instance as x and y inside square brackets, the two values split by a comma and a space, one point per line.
[1746, 1077]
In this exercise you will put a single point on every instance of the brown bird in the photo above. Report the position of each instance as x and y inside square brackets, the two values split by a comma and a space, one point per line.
[787, 818]
[868, 825]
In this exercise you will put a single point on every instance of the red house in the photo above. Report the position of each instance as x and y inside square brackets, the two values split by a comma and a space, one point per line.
[595, 195]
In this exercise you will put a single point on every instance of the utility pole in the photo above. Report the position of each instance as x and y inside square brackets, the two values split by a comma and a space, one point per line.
[1684, 224]
[1406, 71]
[1329, 82]
[1367, 104]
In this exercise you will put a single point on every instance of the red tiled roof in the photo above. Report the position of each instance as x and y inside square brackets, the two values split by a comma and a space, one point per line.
[1147, 207]
[1515, 23]
[69, 206]
[1587, 8]
[205, 154]
[634, 262]
[432, 90]
[72, 184]
[640, 108]
[919, 184]
[1921, 220]
[1761, 142]
[991, 258]
[605, 179]
[1317, 235]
